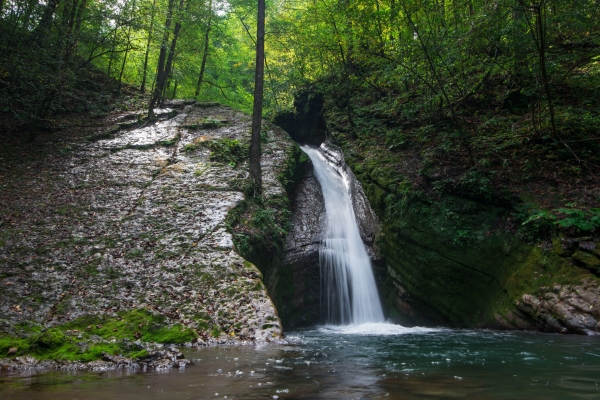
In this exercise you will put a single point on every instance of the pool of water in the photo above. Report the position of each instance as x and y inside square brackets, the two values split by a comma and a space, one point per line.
[369, 362]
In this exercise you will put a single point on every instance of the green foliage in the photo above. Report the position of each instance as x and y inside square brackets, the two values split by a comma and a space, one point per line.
[568, 218]
[258, 226]
[215, 331]
[474, 183]
[227, 151]
[532, 229]
[116, 336]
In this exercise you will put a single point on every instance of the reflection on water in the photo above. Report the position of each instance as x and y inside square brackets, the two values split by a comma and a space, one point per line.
[353, 363]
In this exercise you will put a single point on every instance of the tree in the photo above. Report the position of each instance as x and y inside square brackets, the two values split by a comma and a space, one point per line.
[150, 30]
[255, 171]
[205, 53]
[161, 73]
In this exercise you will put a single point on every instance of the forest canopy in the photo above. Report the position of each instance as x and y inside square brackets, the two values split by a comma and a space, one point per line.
[533, 64]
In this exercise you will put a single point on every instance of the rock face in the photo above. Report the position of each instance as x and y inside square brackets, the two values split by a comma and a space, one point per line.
[564, 309]
[306, 125]
[136, 219]
[299, 273]
[454, 259]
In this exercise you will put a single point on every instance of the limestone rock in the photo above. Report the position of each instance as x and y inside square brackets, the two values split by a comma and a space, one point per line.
[133, 221]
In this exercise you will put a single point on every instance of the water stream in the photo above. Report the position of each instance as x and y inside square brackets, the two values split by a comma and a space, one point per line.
[348, 291]
[328, 364]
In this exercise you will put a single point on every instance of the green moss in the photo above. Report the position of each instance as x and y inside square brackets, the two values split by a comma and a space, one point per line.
[215, 331]
[227, 151]
[64, 342]
[449, 250]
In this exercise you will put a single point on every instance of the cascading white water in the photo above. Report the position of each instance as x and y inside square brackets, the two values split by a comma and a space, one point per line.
[348, 291]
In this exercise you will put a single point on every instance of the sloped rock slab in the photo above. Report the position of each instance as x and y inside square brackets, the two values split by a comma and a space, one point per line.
[134, 221]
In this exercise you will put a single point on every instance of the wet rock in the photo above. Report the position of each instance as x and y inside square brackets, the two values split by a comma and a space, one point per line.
[300, 292]
[590, 261]
[574, 309]
[134, 221]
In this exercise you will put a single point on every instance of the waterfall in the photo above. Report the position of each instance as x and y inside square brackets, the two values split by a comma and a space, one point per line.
[348, 291]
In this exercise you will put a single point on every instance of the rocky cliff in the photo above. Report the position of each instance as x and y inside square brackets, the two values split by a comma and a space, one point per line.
[453, 251]
[115, 237]
[293, 277]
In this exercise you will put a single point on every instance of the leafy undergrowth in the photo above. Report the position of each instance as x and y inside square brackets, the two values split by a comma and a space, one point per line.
[260, 224]
[225, 150]
[89, 337]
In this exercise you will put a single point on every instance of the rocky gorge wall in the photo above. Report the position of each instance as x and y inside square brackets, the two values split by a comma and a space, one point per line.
[453, 258]
[293, 277]
[119, 237]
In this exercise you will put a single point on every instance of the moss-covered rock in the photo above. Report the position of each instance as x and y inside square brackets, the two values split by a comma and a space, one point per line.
[454, 250]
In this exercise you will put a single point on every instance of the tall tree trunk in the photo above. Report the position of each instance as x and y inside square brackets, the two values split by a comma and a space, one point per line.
[441, 86]
[144, 73]
[205, 54]
[255, 171]
[538, 33]
[113, 45]
[171, 56]
[160, 70]
[40, 33]
[393, 16]
[542, 48]
[174, 90]
[128, 46]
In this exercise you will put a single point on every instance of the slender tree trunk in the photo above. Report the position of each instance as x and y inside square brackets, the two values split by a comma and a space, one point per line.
[442, 88]
[114, 45]
[542, 37]
[538, 34]
[174, 90]
[393, 16]
[40, 32]
[160, 71]
[255, 152]
[144, 73]
[128, 46]
[171, 56]
[205, 54]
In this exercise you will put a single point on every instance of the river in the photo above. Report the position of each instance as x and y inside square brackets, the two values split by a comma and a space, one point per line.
[345, 363]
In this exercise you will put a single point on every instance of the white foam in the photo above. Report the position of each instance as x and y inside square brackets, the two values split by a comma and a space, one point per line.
[375, 329]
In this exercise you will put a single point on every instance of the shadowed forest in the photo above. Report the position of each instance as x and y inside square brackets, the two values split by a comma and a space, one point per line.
[505, 89]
